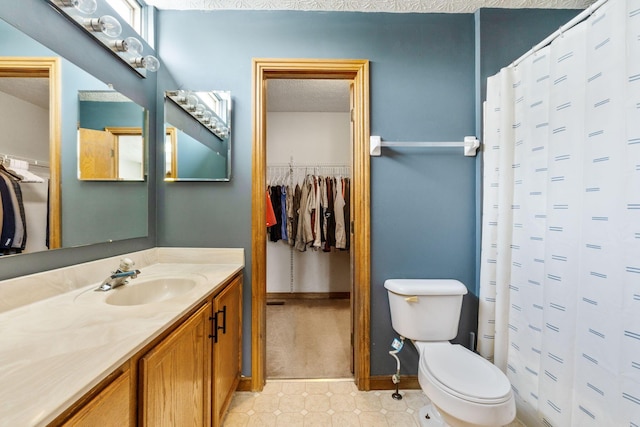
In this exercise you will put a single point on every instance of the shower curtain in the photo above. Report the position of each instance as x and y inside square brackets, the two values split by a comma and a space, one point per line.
[560, 265]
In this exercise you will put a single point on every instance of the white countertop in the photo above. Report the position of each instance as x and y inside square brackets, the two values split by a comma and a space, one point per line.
[55, 350]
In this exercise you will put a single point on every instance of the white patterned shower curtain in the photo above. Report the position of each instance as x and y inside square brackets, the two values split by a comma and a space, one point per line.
[560, 272]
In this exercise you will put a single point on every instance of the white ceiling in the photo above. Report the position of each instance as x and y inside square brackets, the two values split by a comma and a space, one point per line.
[395, 6]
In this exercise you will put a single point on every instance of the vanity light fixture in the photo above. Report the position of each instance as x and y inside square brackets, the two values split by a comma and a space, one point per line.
[106, 30]
[86, 7]
[190, 103]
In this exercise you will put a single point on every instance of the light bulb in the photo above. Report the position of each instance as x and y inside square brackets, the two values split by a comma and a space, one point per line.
[199, 110]
[181, 97]
[130, 45]
[192, 101]
[83, 6]
[206, 117]
[134, 46]
[107, 25]
[149, 62]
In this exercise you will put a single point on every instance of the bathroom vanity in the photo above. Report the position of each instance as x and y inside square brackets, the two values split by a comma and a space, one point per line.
[164, 349]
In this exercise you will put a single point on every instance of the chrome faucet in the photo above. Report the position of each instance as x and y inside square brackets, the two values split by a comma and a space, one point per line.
[119, 277]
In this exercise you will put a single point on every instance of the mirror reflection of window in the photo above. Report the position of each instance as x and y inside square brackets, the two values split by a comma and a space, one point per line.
[130, 11]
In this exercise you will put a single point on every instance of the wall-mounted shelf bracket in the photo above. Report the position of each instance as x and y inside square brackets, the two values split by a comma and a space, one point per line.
[470, 145]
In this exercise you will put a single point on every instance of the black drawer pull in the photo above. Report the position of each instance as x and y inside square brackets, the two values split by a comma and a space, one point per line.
[216, 323]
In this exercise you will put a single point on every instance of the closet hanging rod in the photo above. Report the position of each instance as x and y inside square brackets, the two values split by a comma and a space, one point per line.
[4, 159]
[470, 145]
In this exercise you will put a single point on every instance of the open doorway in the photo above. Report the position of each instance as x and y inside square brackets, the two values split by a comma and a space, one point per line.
[309, 154]
[356, 72]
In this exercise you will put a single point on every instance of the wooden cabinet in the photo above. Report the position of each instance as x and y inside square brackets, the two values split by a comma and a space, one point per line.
[185, 377]
[174, 376]
[188, 378]
[109, 408]
[227, 344]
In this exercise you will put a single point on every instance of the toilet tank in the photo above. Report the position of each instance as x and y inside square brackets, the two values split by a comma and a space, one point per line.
[425, 309]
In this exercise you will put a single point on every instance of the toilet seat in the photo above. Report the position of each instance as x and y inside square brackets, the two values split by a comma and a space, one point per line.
[463, 374]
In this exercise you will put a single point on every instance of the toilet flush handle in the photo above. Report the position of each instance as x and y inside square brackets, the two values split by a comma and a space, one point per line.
[411, 299]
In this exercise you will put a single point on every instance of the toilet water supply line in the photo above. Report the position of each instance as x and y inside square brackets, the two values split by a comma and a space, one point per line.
[397, 346]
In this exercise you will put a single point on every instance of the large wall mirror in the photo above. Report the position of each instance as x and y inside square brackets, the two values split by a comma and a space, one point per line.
[41, 97]
[197, 136]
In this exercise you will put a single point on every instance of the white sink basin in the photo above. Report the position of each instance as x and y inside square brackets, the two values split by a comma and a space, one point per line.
[149, 291]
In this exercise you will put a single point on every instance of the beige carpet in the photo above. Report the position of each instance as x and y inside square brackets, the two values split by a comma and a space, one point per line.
[309, 338]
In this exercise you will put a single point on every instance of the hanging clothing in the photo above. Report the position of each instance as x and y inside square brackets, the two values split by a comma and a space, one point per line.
[317, 209]
[271, 216]
[347, 212]
[339, 204]
[304, 234]
[312, 214]
[292, 218]
[283, 212]
[13, 234]
[330, 237]
[275, 232]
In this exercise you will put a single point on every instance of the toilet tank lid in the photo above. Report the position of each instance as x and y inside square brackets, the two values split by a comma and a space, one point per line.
[425, 286]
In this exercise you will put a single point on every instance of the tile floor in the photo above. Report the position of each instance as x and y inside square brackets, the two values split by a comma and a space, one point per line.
[325, 403]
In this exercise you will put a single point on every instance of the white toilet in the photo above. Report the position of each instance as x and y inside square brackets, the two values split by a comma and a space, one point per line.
[464, 388]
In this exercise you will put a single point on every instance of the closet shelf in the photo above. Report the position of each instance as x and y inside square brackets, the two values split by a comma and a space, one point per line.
[470, 145]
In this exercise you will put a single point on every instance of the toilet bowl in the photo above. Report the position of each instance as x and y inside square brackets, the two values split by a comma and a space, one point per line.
[465, 389]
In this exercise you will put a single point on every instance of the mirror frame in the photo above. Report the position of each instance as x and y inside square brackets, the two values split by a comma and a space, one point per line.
[45, 67]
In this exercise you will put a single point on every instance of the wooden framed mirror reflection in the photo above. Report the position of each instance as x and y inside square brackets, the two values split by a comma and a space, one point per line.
[37, 78]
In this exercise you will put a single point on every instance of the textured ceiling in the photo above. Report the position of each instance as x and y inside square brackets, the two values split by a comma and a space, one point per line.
[395, 6]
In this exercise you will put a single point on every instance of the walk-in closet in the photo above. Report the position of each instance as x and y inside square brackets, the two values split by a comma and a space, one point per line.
[308, 241]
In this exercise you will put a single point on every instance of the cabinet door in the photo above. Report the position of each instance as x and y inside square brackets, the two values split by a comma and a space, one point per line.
[226, 347]
[110, 408]
[175, 390]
